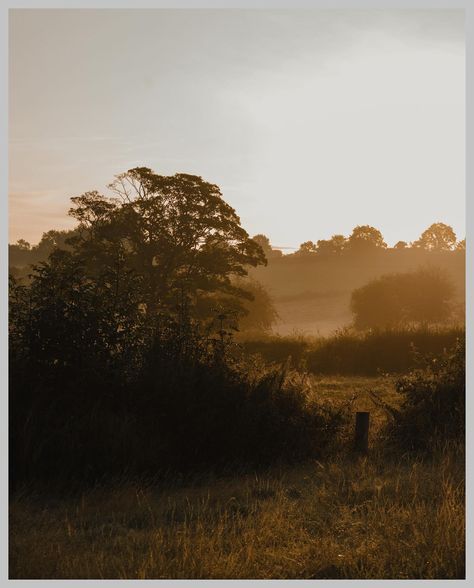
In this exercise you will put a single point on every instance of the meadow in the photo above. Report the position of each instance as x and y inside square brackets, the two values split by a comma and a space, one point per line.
[380, 516]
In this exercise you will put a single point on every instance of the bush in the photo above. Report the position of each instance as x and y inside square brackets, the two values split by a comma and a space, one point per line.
[276, 349]
[368, 354]
[415, 298]
[358, 354]
[190, 406]
[433, 410]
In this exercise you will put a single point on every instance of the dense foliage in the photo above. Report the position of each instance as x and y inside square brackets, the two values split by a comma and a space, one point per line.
[119, 344]
[434, 406]
[357, 354]
[420, 297]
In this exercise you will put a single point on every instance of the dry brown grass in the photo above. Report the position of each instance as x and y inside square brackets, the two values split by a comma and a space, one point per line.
[344, 518]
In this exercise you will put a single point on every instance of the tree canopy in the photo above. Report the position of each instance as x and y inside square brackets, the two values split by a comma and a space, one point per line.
[176, 233]
[364, 238]
[437, 237]
[420, 297]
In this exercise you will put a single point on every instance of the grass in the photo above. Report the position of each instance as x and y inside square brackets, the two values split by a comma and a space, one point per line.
[354, 353]
[342, 519]
[345, 517]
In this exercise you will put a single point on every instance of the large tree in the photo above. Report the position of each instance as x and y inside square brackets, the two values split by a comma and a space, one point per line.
[176, 232]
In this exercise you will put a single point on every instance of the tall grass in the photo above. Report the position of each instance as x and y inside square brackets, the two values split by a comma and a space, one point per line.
[368, 519]
[351, 353]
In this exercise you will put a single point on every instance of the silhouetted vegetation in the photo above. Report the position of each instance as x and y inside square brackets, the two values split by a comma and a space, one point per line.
[119, 344]
[433, 411]
[359, 354]
[142, 360]
[422, 297]
[309, 290]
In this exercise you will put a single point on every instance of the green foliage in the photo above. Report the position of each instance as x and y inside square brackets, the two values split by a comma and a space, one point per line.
[433, 410]
[421, 297]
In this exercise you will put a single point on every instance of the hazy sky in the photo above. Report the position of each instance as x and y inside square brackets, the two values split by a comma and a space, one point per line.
[311, 122]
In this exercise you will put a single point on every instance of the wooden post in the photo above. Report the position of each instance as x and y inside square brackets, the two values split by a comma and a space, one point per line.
[361, 441]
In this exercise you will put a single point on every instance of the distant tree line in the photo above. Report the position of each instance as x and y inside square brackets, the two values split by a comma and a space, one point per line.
[364, 239]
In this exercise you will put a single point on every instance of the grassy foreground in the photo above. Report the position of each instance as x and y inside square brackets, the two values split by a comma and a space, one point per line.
[343, 518]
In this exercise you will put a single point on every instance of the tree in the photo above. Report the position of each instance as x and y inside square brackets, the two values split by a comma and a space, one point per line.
[263, 241]
[23, 254]
[400, 245]
[175, 232]
[259, 313]
[266, 246]
[306, 248]
[461, 245]
[23, 245]
[421, 297]
[365, 238]
[333, 246]
[437, 237]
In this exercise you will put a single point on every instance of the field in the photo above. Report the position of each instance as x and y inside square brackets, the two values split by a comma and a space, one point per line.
[343, 517]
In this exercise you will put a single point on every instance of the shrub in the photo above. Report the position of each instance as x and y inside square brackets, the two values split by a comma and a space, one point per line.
[433, 410]
[277, 349]
[415, 298]
[392, 350]
[190, 405]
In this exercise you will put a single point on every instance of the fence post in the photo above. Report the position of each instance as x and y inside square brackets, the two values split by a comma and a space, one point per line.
[361, 441]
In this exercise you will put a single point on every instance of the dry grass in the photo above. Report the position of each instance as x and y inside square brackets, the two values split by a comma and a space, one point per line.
[345, 518]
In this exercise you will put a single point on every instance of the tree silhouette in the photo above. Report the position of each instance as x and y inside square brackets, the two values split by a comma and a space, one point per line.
[263, 241]
[175, 232]
[266, 246]
[365, 238]
[437, 237]
[333, 246]
[415, 298]
[306, 248]
[23, 245]
[400, 245]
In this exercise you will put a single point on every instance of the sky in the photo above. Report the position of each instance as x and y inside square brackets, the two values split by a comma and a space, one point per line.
[310, 121]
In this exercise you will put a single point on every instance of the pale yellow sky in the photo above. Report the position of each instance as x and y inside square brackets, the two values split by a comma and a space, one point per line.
[310, 121]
